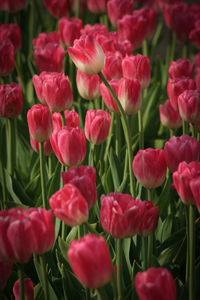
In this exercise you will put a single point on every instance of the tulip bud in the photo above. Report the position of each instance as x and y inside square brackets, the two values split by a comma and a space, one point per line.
[137, 67]
[180, 68]
[97, 125]
[28, 289]
[90, 261]
[69, 145]
[12, 6]
[11, 100]
[189, 106]
[113, 66]
[57, 8]
[195, 189]
[11, 32]
[5, 272]
[169, 117]
[195, 36]
[178, 149]
[119, 8]
[149, 167]
[88, 85]
[155, 284]
[87, 55]
[7, 58]
[72, 118]
[97, 6]
[129, 95]
[69, 205]
[107, 97]
[83, 178]
[149, 220]
[39, 122]
[70, 30]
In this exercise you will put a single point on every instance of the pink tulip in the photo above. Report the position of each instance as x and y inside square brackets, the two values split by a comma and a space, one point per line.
[107, 97]
[11, 100]
[69, 205]
[90, 261]
[155, 284]
[149, 219]
[39, 122]
[36, 147]
[5, 272]
[72, 118]
[58, 8]
[83, 178]
[180, 68]
[169, 117]
[149, 12]
[113, 66]
[119, 8]
[197, 79]
[97, 125]
[69, 145]
[178, 149]
[70, 30]
[149, 167]
[11, 32]
[129, 95]
[87, 55]
[7, 58]
[189, 106]
[195, 36]
[97, 6]
[12, 6]
[28, 289]
[195, 189]
[88, 85]
[137, 67]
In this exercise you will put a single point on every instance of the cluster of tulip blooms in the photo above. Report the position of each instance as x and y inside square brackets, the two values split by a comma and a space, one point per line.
[89, 217]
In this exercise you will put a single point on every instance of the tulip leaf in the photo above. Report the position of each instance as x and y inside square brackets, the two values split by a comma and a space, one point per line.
[113, 160]
[165, 229]
[54, 182]
[64, 246]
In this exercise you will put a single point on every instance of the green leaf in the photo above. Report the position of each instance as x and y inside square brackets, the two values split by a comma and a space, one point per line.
[114, 170]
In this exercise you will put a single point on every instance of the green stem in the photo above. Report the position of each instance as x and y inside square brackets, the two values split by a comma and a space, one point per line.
[72, 75]
[150, 238]
[92, 155]
[3, 184]
[63, 230]
[77, 14]
[118, 144]
[45, 279]
[114, 283]
[145, 252]
[141, 130]
[101, 294]
[119, 268]
[126, 131]
[145, 47]
[187, 254]
[193, 131]
[109, 136]
[90, 228]
[171, 132]
[192, 252]
[21, 282]
[185, 51]
[42, 176]
[156, 36]
[173, 47]
[184, 127]
[11, 145]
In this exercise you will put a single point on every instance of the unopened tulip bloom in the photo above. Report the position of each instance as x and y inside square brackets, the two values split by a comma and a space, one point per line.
[88, 85]
[69, 145]
[11, 100]
[97, 6]
[11, 32]
[7, 58]
[113, 66]
[129, 94]
[175, 87]
[169, 117]
[149, 167]
[197, 61]
[97, 125]
[137, 67]
[43, 231]
[72, 118]
[12, 6]
[180, 68]
[57, 121]
[182, 178]
[178, 149]
[87, 55]
[83, 178]
[107, 97]
[39, 122]
[197, 79]
[15, 236]
[189, 106]
[90, 261]
[195, 36]
[155, 284]
[5, 272]
[119, 8]
[70, 30]
[195, 188]
[28, 289]
[36, 146]
[58, 8]
[149, 218]
[69, 205]
[150, 13]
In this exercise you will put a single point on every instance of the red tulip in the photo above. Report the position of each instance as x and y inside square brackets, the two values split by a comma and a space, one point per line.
[7, 58]
[72, 118]
[88, 85]
[107, 97]
[119, 8]
[169, 117]
[5, 272]
[149, 219]
[69, 205]
[195, 36]
[11, 32]
[180, 68]
[58, 8]
[28, 289]
[57, 121]
[97, 6]
[195, 189]
[189, 106]
[113, 66]
[70, 30]
[12, 6]
[149, 167]
[11, 100]
[83, 178]
[90, 261]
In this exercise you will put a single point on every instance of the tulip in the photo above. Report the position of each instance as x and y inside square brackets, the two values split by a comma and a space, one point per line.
[90, 261]
[195, 189]
[155, 284]
[137, 67]
[69, 145]
[57, 8]
[178, 149]
[169, 117]
[119, 8]
[149, 13]
[15, 236]
[69, 205]
[149, 167]
[46, 38]
[180, 68]
[43, 231]
[195, 36]
[189, 106]
[197, 62]
[87, 55]
[36, 147]
[39, 122]
[97, 6]
[28, 289]
[129, 95]
[197, 79]
[7, 58]
[5, 272]
[97, 125]
[72, 118]
[175, 87]
[88, 85]
[107, 97]
[11, 100]
[149, 219]
[113, 66]
[12, 6]
[83, 178]
[11, 32]
[70, 30]
[57, 121]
